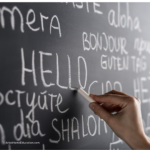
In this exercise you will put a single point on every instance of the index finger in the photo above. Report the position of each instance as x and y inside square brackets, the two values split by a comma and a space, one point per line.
[110, 98]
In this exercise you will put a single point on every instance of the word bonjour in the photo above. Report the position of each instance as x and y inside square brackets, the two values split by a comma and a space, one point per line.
[97, 42]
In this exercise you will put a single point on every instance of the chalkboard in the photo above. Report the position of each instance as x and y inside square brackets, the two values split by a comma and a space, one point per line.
[48, 49]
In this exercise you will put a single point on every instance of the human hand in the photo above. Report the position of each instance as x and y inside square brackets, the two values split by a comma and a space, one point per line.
[127, 122]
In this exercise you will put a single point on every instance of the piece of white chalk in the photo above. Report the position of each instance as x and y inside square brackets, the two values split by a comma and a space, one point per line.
[85, 95]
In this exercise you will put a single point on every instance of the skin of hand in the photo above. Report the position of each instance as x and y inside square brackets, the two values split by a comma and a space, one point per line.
[127, 122]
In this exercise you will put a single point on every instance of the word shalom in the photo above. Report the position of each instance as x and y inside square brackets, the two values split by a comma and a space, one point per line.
[123, 20]
[28, 22]
[76, 128]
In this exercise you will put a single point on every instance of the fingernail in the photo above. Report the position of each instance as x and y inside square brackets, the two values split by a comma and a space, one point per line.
[92, 106]
[91, 95]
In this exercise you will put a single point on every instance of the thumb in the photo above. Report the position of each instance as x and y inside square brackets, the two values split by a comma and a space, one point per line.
[101, 112]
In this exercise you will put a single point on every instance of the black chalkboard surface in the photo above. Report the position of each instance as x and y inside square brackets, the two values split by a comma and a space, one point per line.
[47, 49]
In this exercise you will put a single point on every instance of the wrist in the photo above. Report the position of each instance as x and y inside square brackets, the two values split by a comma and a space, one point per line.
[140, 142]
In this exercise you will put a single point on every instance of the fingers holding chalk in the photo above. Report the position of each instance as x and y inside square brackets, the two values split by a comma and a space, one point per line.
[85, 95]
